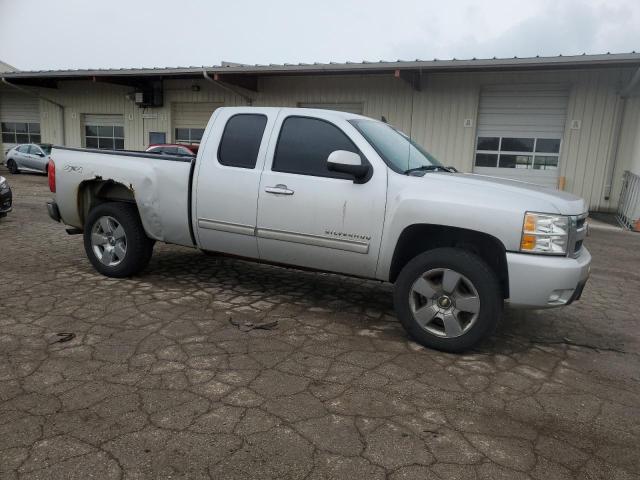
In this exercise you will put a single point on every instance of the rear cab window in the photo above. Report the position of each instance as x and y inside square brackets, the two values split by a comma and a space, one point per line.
[305, 143]
[241, 139]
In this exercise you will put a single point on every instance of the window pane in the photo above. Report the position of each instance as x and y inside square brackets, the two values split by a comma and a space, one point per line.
[105, 131]
[8, 138]
[515, 161]
[196, 134]
[548, 145]
[34, 128]
[33, 150]
[517, 145]
[8, 127]
[486, 160]
[34, 138]
[488, 143]
[106, 143]
[21, 127]
[91, 142]
[118, 132]
[241, 140]
[119, 144]
[157, 137]
[22, 138]
[545, 163]
[305, 144]
[182, 134]
[23, 148]
[90, 131]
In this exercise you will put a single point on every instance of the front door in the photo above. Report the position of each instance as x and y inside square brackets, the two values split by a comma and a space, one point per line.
[228, 177]
[312, 217]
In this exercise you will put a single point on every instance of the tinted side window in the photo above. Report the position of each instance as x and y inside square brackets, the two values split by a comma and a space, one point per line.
[241, 140]
[305, 144]
[33, 150]
[23, 148]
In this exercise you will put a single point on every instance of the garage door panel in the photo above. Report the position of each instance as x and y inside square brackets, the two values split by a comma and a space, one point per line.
[521, 111]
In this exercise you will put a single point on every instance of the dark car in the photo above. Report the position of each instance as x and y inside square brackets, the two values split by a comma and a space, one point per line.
[173, 149]
[5, 197]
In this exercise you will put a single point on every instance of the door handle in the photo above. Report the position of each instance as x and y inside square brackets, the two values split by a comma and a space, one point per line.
[279, 189]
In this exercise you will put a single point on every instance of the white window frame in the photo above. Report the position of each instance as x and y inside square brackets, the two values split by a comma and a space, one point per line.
[532, 153]
[190, 140]
[30, 135]
[113, 136]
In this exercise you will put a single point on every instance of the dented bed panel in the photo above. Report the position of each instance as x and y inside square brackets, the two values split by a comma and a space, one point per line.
[159, 188]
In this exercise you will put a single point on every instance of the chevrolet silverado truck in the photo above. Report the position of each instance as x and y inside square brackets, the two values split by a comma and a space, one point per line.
[334, 192]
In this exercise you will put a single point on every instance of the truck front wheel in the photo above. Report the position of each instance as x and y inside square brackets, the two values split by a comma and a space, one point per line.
[448, 299]
[115, 241]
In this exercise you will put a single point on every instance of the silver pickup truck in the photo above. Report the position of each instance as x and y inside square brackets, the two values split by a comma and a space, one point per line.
[335, 192]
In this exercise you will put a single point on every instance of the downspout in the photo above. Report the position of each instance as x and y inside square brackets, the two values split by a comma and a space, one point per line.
[37, 95]
[624, 94]
[247, 98]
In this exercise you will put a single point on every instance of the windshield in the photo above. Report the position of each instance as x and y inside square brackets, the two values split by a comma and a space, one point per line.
[395, 148]
[46, 148]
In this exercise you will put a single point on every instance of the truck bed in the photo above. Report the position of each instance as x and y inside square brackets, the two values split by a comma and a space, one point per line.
[160, 185]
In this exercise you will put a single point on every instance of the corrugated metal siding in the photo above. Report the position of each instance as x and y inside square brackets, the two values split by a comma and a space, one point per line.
[192, 114]
[435, 116]
[341, 107]
[629, 145]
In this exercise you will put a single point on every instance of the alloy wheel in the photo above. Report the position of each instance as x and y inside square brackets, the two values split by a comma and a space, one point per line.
[444, 302]
[108, 241]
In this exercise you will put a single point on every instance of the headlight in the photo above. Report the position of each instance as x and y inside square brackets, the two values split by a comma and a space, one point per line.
[545, 233]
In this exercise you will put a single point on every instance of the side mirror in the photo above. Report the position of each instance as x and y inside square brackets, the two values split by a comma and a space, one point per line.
[349, 163]
[40, 154]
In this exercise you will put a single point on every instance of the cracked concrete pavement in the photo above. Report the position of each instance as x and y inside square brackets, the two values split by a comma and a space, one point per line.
[159, 383]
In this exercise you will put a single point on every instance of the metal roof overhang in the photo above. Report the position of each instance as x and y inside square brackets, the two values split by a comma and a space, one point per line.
[241, 74]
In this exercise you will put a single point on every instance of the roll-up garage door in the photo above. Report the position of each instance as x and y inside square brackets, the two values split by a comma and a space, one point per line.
[190, 119]
[340, 107]
[103, 131]
[520, 129]
[19, 120]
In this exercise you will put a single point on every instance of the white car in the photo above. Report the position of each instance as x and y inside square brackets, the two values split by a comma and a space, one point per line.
[28, 157]
[335, 192]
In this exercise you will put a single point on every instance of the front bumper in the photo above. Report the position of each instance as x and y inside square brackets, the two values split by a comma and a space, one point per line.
[538, 281]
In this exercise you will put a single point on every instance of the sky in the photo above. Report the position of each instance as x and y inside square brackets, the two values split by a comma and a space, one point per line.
[61, 34]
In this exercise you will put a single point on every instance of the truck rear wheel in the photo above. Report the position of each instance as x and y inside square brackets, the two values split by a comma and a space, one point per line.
[448, 299]
[115, 241]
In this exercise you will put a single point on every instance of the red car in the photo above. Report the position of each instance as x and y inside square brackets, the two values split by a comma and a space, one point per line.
[173, 149]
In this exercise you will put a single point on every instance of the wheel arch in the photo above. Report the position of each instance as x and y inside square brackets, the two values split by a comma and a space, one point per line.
[94, 192]
[418, 238]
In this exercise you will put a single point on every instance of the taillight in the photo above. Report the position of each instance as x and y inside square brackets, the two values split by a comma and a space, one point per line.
[51, 171]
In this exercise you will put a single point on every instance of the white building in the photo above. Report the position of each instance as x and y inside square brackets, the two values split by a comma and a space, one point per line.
[567, 122]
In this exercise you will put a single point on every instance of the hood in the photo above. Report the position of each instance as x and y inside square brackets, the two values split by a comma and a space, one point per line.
[565, 203]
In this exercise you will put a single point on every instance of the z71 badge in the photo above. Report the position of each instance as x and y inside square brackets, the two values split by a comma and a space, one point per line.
[73, 168]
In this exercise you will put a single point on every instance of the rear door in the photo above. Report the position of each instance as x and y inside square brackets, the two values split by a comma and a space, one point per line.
[229, 167]
[311, 217]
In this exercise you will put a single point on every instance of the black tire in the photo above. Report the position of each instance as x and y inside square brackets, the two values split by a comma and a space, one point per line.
[474, 270]
[139, 247]
[13, 168]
